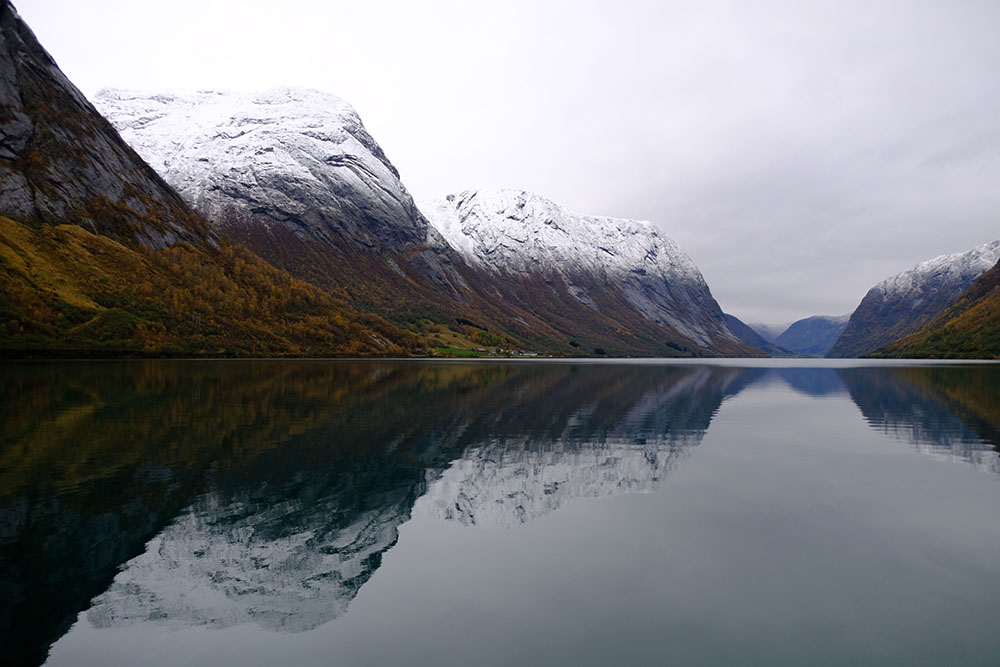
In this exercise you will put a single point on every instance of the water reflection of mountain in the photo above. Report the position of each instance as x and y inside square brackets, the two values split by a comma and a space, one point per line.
[508, 477]
[944, 411]
[268, 492]
[818, 382]
[293, 557]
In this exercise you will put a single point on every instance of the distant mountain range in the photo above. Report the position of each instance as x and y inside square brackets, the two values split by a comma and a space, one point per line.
[273, 223]
[808, 337]
[948, 306]
[752, 336]
[813, 336]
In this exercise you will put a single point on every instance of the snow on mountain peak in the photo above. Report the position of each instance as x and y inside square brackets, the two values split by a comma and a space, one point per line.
[513, 230]
[289, 155]
[956, 268]
[519, 234]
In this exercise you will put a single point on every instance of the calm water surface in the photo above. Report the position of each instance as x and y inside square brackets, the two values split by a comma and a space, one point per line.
[375, 513]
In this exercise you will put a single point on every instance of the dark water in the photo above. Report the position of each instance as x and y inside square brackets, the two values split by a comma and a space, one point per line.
[370, 513]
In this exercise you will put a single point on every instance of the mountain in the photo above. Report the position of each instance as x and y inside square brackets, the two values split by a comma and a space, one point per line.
[100, 256]
[314, 246]
[968, 329]
[624, 269]
[902, 304]
[768, 332]
[750, 336]
[60, 161]
[813, 336]
[293, 175]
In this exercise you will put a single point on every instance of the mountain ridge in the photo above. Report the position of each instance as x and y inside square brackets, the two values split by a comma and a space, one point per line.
[516, 234]
[813, 336]
[60, 160]
[968, 329]
[248, 155]
[902, 304]
[751, 336]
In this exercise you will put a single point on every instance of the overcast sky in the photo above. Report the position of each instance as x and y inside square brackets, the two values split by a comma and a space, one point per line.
[799, 152]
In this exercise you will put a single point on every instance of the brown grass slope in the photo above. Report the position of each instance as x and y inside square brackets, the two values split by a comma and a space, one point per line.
[67, 291]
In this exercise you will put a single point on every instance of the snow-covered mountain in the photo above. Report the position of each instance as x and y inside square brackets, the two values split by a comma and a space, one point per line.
[903, 303]
[294, 175]
[277, 168]
[516, 235]
[295, 157]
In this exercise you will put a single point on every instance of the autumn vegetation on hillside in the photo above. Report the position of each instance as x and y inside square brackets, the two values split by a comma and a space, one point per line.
[68, 291]
[969, 329]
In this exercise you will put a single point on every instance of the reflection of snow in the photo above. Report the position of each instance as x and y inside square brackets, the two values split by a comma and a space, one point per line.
[210, 569]
[513, 481]
[507, 484]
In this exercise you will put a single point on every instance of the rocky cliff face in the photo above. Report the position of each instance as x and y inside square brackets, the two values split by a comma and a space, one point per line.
[900, 305]
[62, 162]
[518, 235]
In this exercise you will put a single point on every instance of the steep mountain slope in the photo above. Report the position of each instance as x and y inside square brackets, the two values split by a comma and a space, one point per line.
[813, 336]
[316, 170]
[621, 268]
[281, 167]
[751, 337]
[968, 329]
[60, 161]
[98, 255]
[902, 304]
